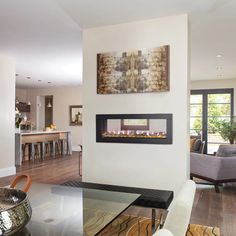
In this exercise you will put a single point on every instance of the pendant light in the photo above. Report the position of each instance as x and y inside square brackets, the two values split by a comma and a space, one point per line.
[49, 103]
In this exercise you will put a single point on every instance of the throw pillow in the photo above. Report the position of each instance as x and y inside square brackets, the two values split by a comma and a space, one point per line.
[192, 141]
[197, 145]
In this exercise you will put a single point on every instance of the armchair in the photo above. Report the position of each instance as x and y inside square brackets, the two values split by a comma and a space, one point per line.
[216, 169]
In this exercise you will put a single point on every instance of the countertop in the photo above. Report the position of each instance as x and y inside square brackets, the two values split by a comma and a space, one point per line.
[29, 132]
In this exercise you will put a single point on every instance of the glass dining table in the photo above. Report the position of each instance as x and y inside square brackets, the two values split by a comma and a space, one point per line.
[67, 211]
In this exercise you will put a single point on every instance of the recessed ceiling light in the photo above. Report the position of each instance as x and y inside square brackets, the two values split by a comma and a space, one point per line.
[28, 77]
[49, 82]
[219, 55]
[39, 80]
[219, 67]
[17, 74]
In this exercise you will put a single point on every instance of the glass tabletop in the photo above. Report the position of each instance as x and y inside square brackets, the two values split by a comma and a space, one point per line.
[66, 211]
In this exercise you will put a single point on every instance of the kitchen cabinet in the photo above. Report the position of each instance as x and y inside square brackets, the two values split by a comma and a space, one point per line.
[23, 107]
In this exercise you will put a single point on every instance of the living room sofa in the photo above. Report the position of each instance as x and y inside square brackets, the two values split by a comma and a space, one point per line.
[217, 169]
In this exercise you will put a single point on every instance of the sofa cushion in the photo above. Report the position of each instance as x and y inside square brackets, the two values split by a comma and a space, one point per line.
[226, 150]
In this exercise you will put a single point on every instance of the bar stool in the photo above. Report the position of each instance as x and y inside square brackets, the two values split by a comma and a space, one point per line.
[64, 146]
[46, 149]
[52, 148]
[23, 148]
[35, 151]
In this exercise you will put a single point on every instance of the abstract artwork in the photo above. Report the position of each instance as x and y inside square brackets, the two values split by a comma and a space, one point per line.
[138, 71]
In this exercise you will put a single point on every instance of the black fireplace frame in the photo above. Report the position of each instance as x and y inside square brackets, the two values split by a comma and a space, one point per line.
[101, 125]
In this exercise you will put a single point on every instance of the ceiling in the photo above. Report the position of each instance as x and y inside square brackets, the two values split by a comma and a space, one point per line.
[45, 36]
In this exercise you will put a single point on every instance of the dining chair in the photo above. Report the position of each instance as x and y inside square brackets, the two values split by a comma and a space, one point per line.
[178, 217]
[163, 232]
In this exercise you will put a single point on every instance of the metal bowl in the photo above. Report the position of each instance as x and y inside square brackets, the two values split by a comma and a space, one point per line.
[15, 209]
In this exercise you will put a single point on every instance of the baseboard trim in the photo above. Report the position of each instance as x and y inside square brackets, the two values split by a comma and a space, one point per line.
[7, 171]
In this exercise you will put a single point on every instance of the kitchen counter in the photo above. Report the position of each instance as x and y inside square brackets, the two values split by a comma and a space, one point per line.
[29, 132]
[23, 137]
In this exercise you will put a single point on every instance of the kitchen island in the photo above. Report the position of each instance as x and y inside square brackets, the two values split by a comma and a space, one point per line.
[35, 136]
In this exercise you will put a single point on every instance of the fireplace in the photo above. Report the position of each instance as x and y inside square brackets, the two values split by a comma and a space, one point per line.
[134, 128]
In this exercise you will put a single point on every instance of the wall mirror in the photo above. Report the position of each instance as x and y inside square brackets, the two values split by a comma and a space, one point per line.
[76, 115]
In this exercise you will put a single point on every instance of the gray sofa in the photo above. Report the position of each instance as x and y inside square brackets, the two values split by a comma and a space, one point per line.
[216, 169]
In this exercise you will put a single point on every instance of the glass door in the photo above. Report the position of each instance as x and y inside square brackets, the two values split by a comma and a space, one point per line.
[207, 108]
[219, 108]
[196, 115]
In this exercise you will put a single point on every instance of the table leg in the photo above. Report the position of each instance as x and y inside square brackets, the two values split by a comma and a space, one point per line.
[80, 160]
[42, 150]
[153, 220]
[53, 151]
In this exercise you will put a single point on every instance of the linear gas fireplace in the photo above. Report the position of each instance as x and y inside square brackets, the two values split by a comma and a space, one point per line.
[134, 128]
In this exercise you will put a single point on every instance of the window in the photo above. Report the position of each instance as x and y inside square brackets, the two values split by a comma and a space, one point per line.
[207, 107]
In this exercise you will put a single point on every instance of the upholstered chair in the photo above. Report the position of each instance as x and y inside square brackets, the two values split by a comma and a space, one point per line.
[163, 232]
[178, 217]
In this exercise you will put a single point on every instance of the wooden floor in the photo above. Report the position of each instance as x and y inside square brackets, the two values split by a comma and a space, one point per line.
[216, 209]
[209, 208]
[51, 171]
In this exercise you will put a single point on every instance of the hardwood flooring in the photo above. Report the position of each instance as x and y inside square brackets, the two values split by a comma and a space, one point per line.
[51, 171]
[209, 208]
[216, 209]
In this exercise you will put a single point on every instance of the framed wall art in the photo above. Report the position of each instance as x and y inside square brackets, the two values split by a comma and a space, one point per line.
[138, 71]
[76, 115]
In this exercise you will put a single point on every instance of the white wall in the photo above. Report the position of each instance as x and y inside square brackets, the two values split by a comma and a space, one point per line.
[142, 165]
[7, 116]
[215, 84]
[63, 97]
[21, 94]
[40, 112]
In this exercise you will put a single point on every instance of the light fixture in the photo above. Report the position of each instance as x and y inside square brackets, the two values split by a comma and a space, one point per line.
[219, 55]
[29, 103]
[49, 103]
[39, 80]
[28, 77]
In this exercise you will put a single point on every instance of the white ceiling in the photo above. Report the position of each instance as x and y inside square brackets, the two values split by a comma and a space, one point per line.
[46, 36]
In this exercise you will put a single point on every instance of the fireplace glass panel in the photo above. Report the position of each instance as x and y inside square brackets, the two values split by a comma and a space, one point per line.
[136, 128]
[156, 128]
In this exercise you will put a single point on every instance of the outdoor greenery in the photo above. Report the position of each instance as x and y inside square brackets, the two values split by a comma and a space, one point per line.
[218, 108]
[227, 130]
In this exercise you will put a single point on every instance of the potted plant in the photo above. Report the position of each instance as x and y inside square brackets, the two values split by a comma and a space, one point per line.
[227, 130]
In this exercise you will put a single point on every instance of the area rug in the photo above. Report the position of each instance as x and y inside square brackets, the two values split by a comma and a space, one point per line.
[126, 225]
[201, 230]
